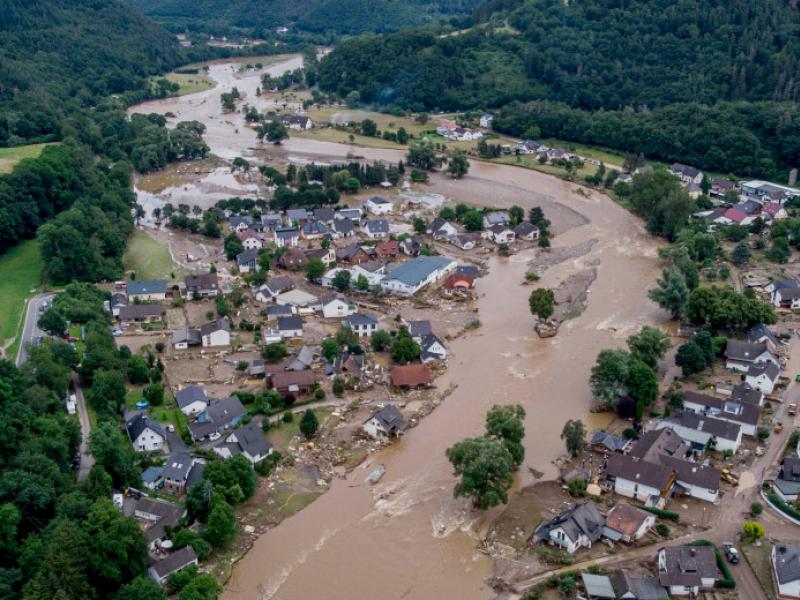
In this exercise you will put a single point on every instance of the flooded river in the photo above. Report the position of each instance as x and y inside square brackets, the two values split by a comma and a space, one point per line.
[408, 537]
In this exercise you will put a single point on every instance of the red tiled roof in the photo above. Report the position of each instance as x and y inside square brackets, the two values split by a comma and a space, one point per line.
[410, 376]
[459, 281]
[734, 215]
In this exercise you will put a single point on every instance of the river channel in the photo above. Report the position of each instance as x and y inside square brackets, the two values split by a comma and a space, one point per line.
[408, 538]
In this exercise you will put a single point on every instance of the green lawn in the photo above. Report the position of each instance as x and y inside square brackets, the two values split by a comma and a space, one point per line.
[75, 331]
[281, 434]
[148, 258]
[190, 83]
[530, 162]
[11, 156]
[20, 272]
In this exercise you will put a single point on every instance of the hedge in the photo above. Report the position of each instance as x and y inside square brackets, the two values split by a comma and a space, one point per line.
[781, 505]
[727, 582]
[664, 514]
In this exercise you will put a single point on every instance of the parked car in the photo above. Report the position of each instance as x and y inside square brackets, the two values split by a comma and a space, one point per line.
[215, 436]
[731, 553]
[116, 331]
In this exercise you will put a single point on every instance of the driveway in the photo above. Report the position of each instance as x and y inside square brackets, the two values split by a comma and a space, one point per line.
[87, 460]
[30, 331]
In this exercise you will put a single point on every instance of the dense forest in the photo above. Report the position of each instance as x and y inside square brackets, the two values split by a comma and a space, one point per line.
[57, 56]
[625, 71]
[260, 18]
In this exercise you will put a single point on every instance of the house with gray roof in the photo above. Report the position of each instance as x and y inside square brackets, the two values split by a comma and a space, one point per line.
[172, 563]
[376, 229]
[247, 261]
[763, 377]
[186, 338]
[219, 416]
[297, 215]
[741, 355]
[303, 359]
[685, 570]
[731, 410]
[578, 527]
[598, 586]
[703, 431]
[272, 221]
[786, 567]
[216, 333]
[146, 290]
[139, 313]
[362, 324]
[249, 441]
[605, 443]
[287, 237]
[387, 423]
[350, 214]
[418, 329]
[526, 231]
[631, 587]
[342, 228]
[411, 276]
[290, 327]
[145, 434]
[203, 285]
[497, 217]
[192, 400]
[787, 483]
[240, 222]
[274, 287]
[432, 348]
[176, 471]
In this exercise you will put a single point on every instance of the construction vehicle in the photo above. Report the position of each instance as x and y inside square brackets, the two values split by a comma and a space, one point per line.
[778, 427]
[791, 409]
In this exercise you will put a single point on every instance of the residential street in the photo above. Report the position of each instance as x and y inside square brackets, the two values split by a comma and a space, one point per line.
[87, 460]
[30, 330]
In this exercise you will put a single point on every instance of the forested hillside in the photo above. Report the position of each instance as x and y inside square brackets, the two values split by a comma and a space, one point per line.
[59, 55]
[603, 55]
[261, 17]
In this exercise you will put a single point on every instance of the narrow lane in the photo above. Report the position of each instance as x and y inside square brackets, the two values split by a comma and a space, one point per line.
[87, 460]
[31, 330]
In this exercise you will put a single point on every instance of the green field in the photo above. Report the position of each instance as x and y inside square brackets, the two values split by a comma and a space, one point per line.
[190, 83]
[11, 156]
[148, 258]
[20, 272]
[280, 434]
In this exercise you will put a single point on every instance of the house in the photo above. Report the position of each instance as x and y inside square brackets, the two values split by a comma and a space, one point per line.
[786, 567]
[740, 355]
[720, 186]
[419, 329]
[786, 298]
[325, 215]
[376, 229]
[240, 223]
[762, 334]
[297, 122]
[744, 414]
[304, 302]
[176, 472]
[387, 423]
[500, 234]
[326, 255]
[201, 286]
[779, 284]
[387, 249]
[353, 253]
[155, 516]
[686, 173]
[486, 120]
[605, 443]
[292, 382]
[313, 230]
[172, 563]
[411, 246]
[635, 478]
[273, 288]
[465, 241]
[652, 445]
[146, 290]
[410, 277]
[303, 359]
[765, 189]
[145, 434]
[118, 300]
[290, 327]
[186, 338]
[248, 441]
[350, 365]
[578, 527]
[280, 310]
[702, 431]
[774, 211]
[140, 313]
[763, 377]
[497, 217]
[272, 221]
[526, 231]
[378, 205]
[350, 214]
[192, 400]
[247, 261]
[628, 523]
[249, 240]
[362, 324]
[745, 394]
[685, 570]
[151, 478]
[630, 587]
[342, 228]
[293, 259]
[287, 237]
[336, 306]
[787, 483]
[219, 416]
[432, 348]
[257, 368]
[732, 216]
[216, 333]
[598, 587]
[440, 229]
[693, 479]
[410, 376]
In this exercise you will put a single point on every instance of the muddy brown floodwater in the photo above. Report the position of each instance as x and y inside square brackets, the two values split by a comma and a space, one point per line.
[408, 538]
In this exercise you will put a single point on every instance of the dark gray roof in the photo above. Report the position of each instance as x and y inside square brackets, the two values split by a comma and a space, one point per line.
[469, 270]
[195, 474]
[425, 345]
[420, 328]
[203, 281]
[688, 565]
[787, 562]
[222, 412]
[155, 286]
[177, 466]
[769, 368]
[191, 336]
[614, 443]
[744, 393]
[246, 257]
[644, 472]
[378, 226]
[693, 473]
[139, 422]
[657, 443]
[290, 323]
[525, 228]
[296, 214]
[280, 309]
[360, 319]
[741, 412]
[716, 427]
[744, 351]
[279, 284]
[139, 311]
[237, 220]
[390, 419]
[790, 469]
[582, 519]
[286, 233]
[200, 429]
[760, 333]
[642, 588]
[250, 439]
[418, 269]
[343, 226]
[684, 170]
[188, 395]
[379, 200]
[216, 325]
[176, 561]
[324, 214]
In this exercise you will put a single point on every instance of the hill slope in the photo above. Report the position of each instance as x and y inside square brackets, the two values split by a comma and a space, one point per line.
[260, 17]
[58, 55]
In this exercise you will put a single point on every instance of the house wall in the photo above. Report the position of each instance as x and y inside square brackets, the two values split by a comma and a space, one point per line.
[335, 309]
[195, 408]
[378, 209]
[560, 538]
[762, 383]
[790, 589]
[646, 526]
[148, 441]
[699, 492]
[374, 429]
[632, 489]
[683, 590]
[217, 338]
[147, 297]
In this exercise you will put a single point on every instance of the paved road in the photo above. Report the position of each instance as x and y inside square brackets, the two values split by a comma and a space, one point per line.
[31, 330]
[87, 460]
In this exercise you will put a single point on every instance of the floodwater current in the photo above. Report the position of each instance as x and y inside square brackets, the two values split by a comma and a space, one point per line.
[408, 538]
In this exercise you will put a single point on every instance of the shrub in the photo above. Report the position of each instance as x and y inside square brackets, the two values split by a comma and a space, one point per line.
[763, 433]
[662, 529]
[319, 394]
[338, 387]
[664, 514]
[577, 487]
[756, 508]
[288, 417]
